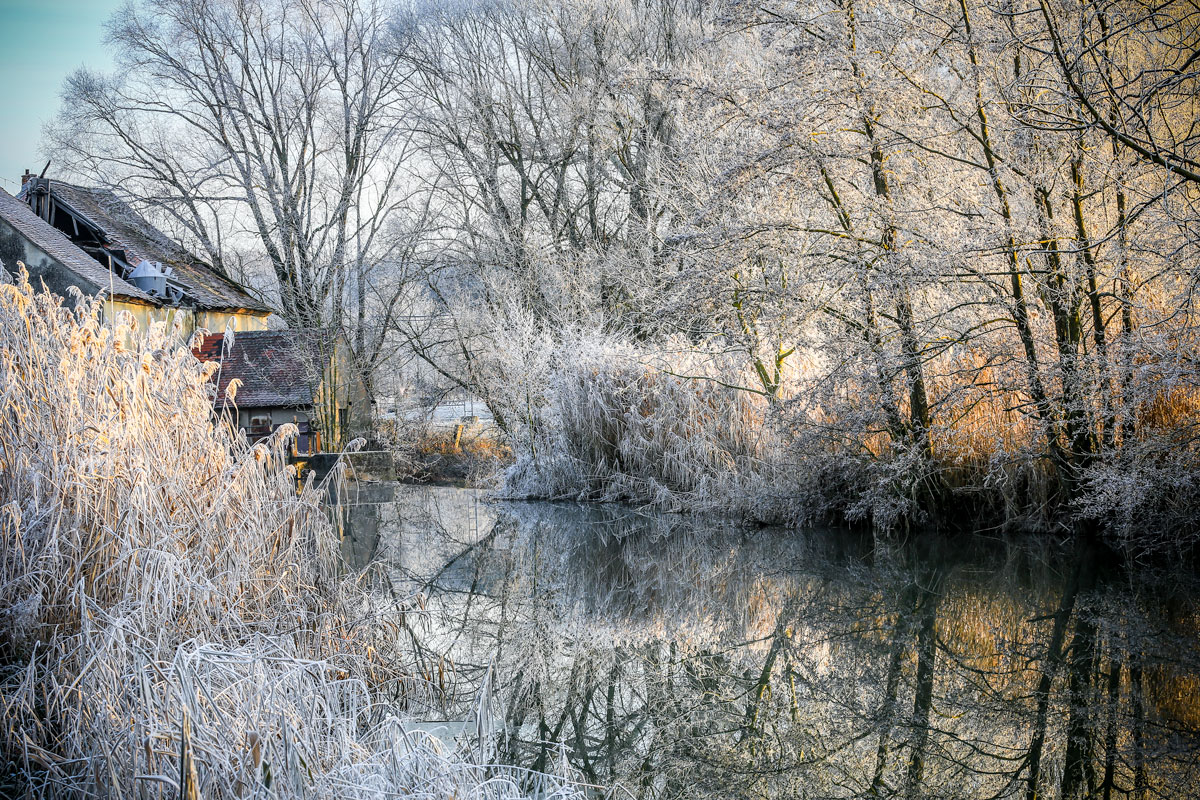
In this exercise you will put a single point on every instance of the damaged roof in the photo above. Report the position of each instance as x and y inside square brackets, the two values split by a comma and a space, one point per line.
[56, 245]
[127, 230]
[276, 368]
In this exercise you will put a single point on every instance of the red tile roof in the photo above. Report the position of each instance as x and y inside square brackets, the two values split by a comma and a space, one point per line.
[276, 368]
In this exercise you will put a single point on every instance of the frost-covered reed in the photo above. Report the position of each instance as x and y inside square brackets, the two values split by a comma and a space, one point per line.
[174, 621]
[616, 428]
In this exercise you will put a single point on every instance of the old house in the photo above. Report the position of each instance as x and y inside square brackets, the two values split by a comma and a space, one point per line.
[54, 260]
[299, 376]
[109, 248]
[70, 236]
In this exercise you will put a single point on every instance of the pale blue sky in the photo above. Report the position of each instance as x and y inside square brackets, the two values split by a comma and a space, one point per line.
[41, 42]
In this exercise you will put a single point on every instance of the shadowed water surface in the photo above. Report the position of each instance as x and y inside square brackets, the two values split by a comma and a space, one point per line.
[674, 657]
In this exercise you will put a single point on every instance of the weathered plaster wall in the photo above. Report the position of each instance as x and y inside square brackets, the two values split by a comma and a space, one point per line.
[187, 319]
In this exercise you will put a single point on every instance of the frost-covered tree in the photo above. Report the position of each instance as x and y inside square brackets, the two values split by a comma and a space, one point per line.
[878, 259]
[544, 128]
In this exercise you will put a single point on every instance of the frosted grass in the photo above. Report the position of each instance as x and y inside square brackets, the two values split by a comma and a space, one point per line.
[174, 620]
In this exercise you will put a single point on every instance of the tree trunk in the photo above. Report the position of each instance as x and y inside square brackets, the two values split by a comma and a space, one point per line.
[923, 700]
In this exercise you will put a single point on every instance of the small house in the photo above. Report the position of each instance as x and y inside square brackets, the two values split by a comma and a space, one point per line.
[305, 377]
[70, 236]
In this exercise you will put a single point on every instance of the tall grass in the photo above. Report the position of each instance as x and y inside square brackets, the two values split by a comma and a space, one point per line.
[174, 621]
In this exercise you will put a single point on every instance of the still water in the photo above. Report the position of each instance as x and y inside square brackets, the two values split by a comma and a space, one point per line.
[671, 657]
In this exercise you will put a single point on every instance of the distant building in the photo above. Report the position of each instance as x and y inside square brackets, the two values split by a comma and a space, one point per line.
[300, 376]
[69, 235]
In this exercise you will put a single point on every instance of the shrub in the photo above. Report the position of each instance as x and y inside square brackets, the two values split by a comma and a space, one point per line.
[615, 428]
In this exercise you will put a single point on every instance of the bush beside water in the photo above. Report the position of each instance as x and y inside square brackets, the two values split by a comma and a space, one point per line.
[616, 422]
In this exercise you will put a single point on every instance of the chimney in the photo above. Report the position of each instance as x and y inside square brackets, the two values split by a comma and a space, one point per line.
[26, 177]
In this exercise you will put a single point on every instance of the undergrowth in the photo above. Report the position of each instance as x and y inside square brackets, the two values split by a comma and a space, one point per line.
[620, 423]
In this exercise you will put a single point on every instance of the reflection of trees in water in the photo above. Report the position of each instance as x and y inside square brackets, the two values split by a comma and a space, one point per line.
[690, 661]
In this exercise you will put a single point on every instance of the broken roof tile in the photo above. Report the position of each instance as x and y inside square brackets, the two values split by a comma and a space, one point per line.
[130, 231]
[56, 245]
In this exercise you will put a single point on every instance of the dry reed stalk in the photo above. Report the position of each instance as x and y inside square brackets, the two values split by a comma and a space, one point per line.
[173, 616]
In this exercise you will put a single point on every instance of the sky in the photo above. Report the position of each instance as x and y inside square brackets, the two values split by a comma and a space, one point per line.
[41, 42]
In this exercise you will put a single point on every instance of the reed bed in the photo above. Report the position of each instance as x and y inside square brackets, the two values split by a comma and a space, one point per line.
[174, 620]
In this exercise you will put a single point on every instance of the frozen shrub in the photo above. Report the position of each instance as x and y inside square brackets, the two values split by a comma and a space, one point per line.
[616, 428]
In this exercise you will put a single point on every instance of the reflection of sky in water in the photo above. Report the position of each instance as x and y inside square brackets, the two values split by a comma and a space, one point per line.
[692, 657]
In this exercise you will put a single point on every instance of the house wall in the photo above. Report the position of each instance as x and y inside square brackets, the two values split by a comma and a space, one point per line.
[340, 402]
[188, 319]
[218, 321]
[308, 440]
[279, 416]
[145, 315]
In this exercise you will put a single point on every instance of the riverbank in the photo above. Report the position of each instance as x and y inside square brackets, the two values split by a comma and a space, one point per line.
[616, 423]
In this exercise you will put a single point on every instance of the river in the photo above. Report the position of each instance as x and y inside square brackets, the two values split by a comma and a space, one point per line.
[663, 656]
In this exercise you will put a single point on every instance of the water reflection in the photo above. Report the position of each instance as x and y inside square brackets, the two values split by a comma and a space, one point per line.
[684, 658]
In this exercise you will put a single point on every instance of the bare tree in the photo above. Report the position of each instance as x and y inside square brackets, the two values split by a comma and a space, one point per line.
[542, 127]
[273, 129]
